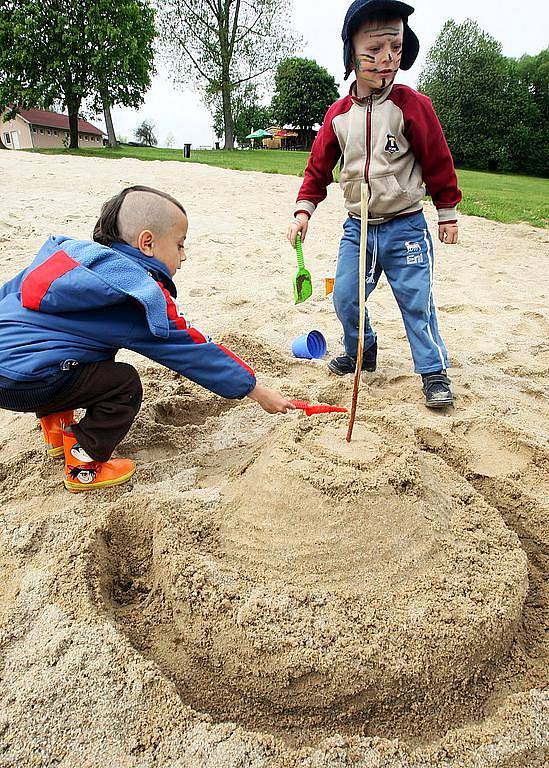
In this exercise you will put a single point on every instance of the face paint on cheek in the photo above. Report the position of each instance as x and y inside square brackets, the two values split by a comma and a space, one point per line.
[365, 67]
[363, 60]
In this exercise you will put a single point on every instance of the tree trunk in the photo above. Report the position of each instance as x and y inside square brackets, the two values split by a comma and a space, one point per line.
[108, 120]
[73, 108]
[227, 114]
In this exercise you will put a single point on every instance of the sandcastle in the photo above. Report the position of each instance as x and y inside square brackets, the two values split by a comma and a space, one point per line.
[331, 580]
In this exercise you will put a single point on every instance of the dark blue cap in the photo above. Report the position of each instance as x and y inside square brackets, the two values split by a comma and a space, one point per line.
[359, 11]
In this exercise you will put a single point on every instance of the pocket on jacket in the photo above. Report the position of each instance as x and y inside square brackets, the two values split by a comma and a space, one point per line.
[387, 196]
[351, 190]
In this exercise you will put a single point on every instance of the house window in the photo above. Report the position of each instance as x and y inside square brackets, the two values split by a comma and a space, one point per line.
[55, 133]
[41, 130]
[7, 138]
[34, 129]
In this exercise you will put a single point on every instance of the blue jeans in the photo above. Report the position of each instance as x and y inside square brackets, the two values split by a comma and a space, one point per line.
[403, 249]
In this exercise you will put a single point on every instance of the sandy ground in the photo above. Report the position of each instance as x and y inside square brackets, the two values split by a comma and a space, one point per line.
[264, 595]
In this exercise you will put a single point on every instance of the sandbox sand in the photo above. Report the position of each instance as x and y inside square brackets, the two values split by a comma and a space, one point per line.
[264, 595]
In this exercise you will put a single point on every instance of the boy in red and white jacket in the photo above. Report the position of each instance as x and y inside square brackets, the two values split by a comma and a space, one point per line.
[388, 136]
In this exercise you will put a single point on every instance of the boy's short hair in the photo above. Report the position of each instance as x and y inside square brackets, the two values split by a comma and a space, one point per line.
[106, 230]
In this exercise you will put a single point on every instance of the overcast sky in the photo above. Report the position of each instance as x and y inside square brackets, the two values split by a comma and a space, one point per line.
[520, 25]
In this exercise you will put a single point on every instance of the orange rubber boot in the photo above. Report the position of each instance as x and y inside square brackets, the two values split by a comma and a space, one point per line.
[52, 429]
[82, 473]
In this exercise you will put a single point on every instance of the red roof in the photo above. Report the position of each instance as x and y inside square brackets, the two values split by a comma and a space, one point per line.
[56, 120]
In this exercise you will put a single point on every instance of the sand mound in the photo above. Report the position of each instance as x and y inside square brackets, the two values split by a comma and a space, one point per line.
[326, 577]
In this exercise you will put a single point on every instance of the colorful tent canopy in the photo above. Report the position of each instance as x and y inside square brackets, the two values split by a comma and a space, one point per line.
[284, 133]
[261, 134]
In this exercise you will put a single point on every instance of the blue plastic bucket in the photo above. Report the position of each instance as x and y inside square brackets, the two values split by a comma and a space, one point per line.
[309, 346]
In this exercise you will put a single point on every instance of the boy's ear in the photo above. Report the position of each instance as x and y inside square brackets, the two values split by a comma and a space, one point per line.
[145, 242]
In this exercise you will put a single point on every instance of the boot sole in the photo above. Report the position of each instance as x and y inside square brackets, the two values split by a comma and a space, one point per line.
[56, 453]
[338, 372]
[440, 404]
[79, 487]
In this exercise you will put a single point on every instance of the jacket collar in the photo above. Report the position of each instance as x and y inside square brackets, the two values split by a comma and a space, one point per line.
[153, 266]
[377, 98]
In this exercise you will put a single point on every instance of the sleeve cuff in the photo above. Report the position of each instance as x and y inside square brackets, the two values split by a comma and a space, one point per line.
[249, 390]
[447, 215]
[304, 206]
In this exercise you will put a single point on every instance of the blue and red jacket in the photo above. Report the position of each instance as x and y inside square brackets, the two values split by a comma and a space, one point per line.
[80, 302]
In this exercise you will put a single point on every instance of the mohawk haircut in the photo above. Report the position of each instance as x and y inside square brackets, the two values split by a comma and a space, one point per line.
[108, 226]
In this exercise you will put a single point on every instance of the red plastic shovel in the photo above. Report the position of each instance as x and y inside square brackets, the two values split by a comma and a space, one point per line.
[311, 410]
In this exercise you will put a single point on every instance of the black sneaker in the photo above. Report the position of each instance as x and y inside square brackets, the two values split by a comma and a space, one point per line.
[347, 364]
[436, 388]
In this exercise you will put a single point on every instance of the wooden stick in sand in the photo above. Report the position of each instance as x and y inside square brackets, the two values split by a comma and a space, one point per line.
[361, 302]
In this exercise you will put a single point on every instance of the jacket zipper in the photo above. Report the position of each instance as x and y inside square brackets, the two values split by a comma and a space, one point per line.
[368, 139]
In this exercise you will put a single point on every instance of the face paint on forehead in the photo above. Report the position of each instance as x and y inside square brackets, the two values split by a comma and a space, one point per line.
[386, 31]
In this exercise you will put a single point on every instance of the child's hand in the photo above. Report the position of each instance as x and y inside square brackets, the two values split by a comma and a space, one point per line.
[299, 224]
[271, 400]
[448, 233]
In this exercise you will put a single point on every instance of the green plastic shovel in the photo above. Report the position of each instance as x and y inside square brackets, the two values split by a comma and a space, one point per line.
[303, 285]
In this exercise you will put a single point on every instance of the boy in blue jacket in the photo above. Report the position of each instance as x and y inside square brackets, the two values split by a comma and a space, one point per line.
[64, 318]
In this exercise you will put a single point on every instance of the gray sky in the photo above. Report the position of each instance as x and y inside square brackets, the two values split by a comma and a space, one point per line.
[520, 25]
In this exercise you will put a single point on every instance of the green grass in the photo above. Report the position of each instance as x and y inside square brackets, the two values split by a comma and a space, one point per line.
[500, 197]
[505, 197]
[263, 160]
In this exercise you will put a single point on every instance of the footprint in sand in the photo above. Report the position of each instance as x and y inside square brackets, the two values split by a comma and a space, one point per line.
[495, 453]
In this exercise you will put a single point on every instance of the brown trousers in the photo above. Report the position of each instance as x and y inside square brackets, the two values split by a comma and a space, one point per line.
[112, 394]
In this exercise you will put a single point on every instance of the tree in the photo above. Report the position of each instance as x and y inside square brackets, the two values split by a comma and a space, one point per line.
[124, 67]
[466, 76]
[59, 50]
[304, 91]
[169, 140]
[494, 110]
[222, 44]
[527, 116]
[533, 72]
[248, 114]
[145, 133]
